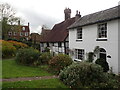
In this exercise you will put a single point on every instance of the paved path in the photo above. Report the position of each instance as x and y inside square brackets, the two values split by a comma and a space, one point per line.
[28, 78]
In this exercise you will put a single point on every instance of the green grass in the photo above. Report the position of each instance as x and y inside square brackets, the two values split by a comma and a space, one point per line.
[48, 83]
[12, 70]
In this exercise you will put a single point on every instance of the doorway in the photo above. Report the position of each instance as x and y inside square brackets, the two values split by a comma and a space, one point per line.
[102, 54]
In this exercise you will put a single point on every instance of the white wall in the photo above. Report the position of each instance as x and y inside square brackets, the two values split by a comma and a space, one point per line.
[89, 42]
[54, 48]
[57, 49]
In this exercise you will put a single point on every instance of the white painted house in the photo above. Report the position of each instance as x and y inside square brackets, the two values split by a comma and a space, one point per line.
[97, 29]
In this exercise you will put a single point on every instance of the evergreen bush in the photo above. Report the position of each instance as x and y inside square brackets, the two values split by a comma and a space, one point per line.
[28, 56]
[45, 57]
[87, 75]
[103, 63]
[81, 74]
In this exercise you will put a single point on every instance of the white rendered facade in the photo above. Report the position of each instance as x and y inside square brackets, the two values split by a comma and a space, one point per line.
[89, 42]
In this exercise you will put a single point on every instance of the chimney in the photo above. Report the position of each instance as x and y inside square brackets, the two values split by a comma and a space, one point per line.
[28, 24]
[77, 16]
[67, 13]
[18, 22]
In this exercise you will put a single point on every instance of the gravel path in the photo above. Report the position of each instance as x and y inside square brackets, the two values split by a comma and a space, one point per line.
[28, 78]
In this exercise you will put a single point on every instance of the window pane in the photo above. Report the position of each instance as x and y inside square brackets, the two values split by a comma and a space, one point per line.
[79, 54]
[102, 30]
[79, 33]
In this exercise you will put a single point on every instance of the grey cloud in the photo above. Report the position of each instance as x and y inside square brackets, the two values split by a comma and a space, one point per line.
[36, 19]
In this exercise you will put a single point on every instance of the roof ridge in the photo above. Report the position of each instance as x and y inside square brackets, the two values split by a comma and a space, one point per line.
[101, 11]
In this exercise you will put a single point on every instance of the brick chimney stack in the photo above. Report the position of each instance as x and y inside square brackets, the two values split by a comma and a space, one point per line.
[67, 13]
[77, 16]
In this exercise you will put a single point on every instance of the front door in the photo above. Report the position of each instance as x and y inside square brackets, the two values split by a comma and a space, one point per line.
[102, 53]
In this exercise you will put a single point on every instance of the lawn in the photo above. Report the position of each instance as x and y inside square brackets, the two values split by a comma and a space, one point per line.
[12, 70]
[48, 83]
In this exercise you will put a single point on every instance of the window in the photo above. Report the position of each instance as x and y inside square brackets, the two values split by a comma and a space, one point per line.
[21, 33]
[9, 33]
[59, 44]
[52, 44]
[15, 33]
[79, 54]
[102, 30]
[23, 28]
[26, 33]
[79, 33]
[47, 44]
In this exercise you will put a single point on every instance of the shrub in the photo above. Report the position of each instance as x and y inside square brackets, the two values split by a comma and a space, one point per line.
[86, 75]
[58, 62]
[28, 57]
[8, 50]
[18, 45]
[81, 74]
[47, 50]
[45, 57]
[103, 64]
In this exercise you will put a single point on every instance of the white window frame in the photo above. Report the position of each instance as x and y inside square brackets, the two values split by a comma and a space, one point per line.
[9, 33]
[26, 33]
[23, 28]
[79, 33]
[102, 31]
[79, 54]
[15, 33]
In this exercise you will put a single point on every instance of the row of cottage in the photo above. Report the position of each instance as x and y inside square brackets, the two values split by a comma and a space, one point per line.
[77, 36]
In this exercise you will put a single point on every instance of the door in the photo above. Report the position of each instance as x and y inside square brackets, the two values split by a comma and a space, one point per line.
[102, 53]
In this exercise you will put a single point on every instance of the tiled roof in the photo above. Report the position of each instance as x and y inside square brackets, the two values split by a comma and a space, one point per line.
[45, 31]
[105, 15]
[59, 32]
[35, 37]
[44, 35]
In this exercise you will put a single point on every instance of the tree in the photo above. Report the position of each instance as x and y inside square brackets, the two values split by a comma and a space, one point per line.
[7, 11]
[8, 18]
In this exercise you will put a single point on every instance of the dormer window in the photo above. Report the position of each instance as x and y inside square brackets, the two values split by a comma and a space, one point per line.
[23, 28]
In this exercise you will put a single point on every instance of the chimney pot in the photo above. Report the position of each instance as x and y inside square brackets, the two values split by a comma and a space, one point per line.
[77, 12]
[28, 24]
[77, 16]
[67, 13]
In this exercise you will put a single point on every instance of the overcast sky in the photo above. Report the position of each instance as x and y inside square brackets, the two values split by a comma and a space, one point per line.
[50, 12]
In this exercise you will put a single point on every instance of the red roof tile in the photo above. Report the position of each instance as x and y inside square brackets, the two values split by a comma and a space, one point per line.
[59, 32]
